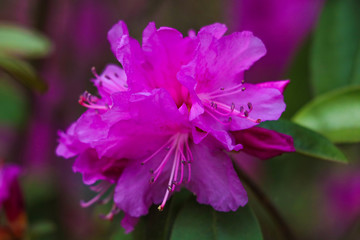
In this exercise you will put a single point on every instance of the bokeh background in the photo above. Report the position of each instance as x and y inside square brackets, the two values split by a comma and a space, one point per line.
[318, 199]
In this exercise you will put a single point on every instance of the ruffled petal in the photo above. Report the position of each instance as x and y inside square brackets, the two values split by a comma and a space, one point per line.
[217, 30]
[115, 35]
[220, 61]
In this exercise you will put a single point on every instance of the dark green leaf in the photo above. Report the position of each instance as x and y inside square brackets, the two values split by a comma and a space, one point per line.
[336, 46]
[336, 115]
[22, 42]
[13, 104]
[157, 225]
[23, 72]
[42, 228]
[203, 222]
[307, 141]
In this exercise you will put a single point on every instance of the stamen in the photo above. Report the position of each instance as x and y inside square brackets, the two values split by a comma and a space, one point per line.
[224, 110]
[225, 92]
[96, 198]
[157, 151]
[110, 216]
[89, 101]
[93, 70]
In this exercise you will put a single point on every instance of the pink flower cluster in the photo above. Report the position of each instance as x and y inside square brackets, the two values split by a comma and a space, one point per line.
[170, 115]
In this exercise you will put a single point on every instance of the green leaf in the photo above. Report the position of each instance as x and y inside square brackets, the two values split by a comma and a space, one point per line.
[13, 105]
[336, 115]
[16, 40]
[336, 46]
[307, 141]
[203, 222]
[42, 228]
[146, 229]
[23, 72]
[120, 234]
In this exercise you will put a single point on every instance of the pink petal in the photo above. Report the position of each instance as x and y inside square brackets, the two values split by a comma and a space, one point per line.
[116, 33]
[113, 79]
[224, 59]
[279, 85]
[129, 223]
[213, 178]
[217, 30]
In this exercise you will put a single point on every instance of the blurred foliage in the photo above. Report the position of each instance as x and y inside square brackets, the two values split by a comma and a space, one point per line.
[13, 105]
[22, 42]
[335, 115]
[336, 49]
[23, 72]
[203, 222]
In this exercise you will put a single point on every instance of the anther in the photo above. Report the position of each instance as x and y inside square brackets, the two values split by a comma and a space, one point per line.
[246, 113]
[232, 107]
[152, 179]
[258, 120]
[242, 81]
[222, 89]
[160, 208]
[243, 89]
[170, 188]
[241, 109]
[250, 106]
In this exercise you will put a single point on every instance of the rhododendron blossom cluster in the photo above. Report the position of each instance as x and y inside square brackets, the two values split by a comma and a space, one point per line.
[168, 117]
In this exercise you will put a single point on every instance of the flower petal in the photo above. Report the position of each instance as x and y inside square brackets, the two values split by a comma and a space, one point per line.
[113, 79]
[219, 63]
[134, 193]
[213, 178]
[129, 223]
[279, 85]
[217, 30]
[115, 35]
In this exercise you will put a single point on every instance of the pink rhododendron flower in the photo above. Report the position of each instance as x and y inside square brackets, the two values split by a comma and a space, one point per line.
[167, 118]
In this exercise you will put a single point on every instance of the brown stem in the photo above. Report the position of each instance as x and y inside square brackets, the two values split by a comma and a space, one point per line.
[266, 203]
